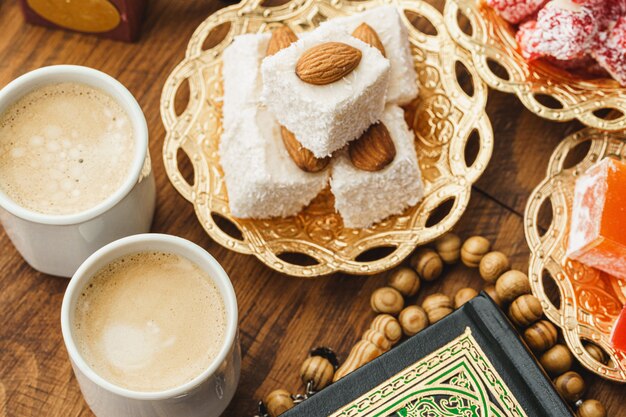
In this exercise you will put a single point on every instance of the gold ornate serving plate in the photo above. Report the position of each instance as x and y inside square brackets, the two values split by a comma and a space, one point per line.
[590, 300]
[544, 89]
[444, 118]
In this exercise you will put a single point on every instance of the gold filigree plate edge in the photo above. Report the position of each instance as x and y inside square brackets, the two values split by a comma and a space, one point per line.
[547, 251]
[492, 40]
[180, 128]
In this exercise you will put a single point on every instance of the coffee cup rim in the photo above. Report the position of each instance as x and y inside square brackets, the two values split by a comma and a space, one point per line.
[31, 80]
[140, 243]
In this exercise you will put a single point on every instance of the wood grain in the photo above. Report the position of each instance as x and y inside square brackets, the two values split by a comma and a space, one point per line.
[281, 318]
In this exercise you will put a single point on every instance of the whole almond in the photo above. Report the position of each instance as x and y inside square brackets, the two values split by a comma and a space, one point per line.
[281, 38]
[304, 158]
[327, 62]
[368, 35]
[374, 150]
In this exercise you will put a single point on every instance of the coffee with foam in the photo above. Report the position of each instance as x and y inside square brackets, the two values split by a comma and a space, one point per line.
[150, 321]
[64, 148]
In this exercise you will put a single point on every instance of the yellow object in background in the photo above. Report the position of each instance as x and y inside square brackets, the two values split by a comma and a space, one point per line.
[81, 15]
[115, 19]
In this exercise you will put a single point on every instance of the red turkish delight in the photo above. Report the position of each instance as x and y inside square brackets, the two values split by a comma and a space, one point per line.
[587, 37]
[515, 11]
[597, 235]
[565, 30]
[610, 50]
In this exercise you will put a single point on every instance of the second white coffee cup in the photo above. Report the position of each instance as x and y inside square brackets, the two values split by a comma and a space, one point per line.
[206, 395]
[58, 244]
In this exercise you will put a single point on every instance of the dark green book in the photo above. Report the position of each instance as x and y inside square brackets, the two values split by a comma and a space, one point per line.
[471, 364]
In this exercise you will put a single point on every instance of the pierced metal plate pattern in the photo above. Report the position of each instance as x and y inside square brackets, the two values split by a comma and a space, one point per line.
[590, 300]
[443, 119]
[492, 39]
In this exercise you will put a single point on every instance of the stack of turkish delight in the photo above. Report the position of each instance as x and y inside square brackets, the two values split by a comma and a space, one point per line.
[286, 136]
[584, 36]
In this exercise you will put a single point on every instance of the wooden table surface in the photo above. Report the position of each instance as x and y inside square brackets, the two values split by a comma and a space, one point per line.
[281, 318]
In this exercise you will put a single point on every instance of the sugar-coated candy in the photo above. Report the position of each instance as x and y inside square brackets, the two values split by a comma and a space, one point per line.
[586, 37]
[618, 334]
[597, 235]
[528, 39]
[610, 50]
[565, 30]
[515, 11]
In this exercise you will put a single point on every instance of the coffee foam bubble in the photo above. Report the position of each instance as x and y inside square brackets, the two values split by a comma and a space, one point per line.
[150, 321]
[71, 135]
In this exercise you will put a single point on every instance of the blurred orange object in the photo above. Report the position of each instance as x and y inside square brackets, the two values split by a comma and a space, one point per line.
[115, 19]
[598, 227]
[618, 335]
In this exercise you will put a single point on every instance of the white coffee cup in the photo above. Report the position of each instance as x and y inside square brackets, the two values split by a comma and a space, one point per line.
[58, 244]
[208, 394]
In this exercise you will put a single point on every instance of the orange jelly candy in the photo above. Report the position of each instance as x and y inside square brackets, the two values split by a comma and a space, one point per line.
[598, 228]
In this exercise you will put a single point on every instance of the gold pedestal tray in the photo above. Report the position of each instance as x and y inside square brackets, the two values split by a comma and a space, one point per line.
[590, 300]
[544, 89]
[444, 119]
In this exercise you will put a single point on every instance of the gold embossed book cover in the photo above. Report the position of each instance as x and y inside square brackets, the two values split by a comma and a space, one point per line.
[471, 364]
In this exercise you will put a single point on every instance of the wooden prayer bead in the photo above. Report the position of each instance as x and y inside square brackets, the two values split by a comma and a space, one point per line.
[406, 281]
[413, 319]
[492, 265]
[377, 338]
[511, 285]
[437, 306]
[557, 360]
[525, 310]
[491, 291]
[448, 247]
[427, 264]
[591, 408]
[596, 352]
[363, 352]
[389, 326]
[463, 295]
[570, 385]
[473, 250]
[318, 370]
[387, 300]
[540, 336]
[277, 402]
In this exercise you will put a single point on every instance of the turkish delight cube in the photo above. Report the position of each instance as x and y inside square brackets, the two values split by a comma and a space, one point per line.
[363, 198]
[261, 178]
[597, 235]
[393, 34]
[324, 118]
[516, 11]
[610, 50]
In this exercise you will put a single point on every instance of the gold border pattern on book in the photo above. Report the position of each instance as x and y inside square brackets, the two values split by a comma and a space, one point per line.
[455, 380]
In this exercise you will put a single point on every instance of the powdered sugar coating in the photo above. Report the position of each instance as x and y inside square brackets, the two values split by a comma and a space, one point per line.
[565, 30]
[364, 198]
[610, 50]
[393, 34]
[325, 118]
[597, 237]
[261, 179]
[516, 11]
[241, 75]
[572, 34]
